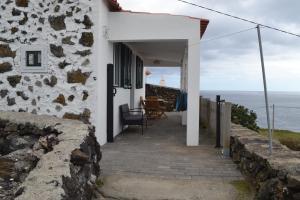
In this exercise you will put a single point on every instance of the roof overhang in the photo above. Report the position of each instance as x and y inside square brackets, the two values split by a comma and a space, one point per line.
[114, 6]
[163, 53]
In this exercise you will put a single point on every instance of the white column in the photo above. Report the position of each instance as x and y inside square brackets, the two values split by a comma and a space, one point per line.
[193, 69]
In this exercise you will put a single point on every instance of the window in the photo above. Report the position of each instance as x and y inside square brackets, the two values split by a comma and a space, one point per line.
[33, 59]
[139, 73]
[117, 64]
[122, 63]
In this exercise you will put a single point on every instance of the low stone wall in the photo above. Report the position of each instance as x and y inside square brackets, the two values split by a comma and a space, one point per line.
[276, 176]
[167, 93]
[63, 155]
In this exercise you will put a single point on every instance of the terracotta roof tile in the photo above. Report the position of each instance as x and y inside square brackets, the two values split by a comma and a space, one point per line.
[114, 6]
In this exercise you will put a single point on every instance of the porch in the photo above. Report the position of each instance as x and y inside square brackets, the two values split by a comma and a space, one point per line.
[162, 152]
[159, 165]
[156, 40]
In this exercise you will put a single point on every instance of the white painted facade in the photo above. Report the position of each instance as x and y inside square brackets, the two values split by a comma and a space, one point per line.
[151, 35]
[159, 39]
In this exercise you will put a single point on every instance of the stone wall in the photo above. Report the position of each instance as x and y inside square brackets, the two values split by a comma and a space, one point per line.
[66, 29]
[166, 93]
[47, 158]
[275, 177]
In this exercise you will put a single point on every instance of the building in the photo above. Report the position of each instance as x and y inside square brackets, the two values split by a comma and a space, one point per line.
[54, 57]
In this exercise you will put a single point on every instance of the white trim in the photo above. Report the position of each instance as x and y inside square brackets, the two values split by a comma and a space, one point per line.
[44, 59]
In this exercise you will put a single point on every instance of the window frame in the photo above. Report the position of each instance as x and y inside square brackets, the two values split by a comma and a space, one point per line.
[122, 66]
[42, 67]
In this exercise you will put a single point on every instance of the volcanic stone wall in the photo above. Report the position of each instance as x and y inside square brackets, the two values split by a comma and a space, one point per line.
[66, 28]
[166, 93]
[47, 158]
[276, 176]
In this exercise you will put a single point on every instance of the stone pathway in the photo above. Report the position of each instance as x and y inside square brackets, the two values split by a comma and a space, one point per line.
[158, 165]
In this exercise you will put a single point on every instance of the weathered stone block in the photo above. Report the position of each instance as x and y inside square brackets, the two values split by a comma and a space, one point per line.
[16, 12]
[10, 101]
[52, 82]
[57, 22]
[22, 3]
[38, 83]
[85, 95]
[22, 95]
[57, 51]
[3, 93]
[84, 117]
[87, 22]
[83, 53]
[71, 98]
[14, 80]
[63, 64]
[87, 39]
[79, 158]
[60, 99]
[67, 40]
[24, 20]
[5, 67]
[77, 77]
[5, 51]
[14, 30]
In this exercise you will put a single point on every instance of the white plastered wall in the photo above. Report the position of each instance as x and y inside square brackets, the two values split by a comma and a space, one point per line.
[147, 27]
[104, 55]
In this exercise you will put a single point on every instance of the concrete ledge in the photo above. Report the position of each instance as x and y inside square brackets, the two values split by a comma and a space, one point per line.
[56, 175]
[275, 176]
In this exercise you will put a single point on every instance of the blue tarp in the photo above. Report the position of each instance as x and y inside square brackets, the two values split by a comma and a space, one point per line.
[181, 102]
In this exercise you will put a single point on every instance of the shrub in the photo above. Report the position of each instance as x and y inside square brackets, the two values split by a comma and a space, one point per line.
[243, 116]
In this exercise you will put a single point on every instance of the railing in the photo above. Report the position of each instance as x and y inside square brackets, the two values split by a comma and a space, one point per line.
[208, 119]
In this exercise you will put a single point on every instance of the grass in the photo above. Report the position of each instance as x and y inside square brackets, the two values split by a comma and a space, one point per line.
[244, 189]
[288, 138]
[99, 182]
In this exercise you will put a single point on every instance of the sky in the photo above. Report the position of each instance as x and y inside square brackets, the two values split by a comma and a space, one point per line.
[233, 63]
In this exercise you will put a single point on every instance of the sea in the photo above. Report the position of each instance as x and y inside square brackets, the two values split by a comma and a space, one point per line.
[286, 104]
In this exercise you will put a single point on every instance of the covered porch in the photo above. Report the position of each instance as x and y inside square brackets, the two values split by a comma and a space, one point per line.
[161, 151]
[163, 40]
[158, 165]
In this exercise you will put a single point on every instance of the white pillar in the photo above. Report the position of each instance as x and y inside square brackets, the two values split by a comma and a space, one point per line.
[193, 69]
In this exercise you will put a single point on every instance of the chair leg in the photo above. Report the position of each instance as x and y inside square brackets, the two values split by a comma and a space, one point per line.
[143, 129]
[146, 122]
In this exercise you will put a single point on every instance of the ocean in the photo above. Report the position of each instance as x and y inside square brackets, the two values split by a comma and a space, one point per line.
[287, 106]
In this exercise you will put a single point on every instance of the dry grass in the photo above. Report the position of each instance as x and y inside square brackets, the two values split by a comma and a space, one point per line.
[288, 138]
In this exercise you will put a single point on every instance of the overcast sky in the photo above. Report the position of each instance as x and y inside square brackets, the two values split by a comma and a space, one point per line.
[233, 63]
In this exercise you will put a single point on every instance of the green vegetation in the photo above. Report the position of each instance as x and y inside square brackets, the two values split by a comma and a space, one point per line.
[243, 116]
[99, 182]
[287, 138]
[243, 188]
